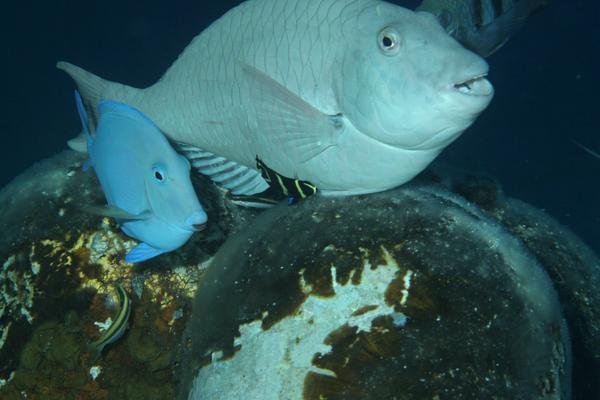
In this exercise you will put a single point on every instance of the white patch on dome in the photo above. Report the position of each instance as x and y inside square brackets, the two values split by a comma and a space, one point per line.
[5, 381]
[95, 372]
[4, 333]
[9, 261]
[407, 276]
[16, 296]
[273, 363]
[35, 267]
[103, 326]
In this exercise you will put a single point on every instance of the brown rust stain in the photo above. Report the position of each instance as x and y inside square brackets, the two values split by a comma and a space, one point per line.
[364, 310]
[393, 293]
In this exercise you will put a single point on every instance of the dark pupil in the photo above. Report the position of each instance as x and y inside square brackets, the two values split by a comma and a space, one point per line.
[158, 176]
[387, 41]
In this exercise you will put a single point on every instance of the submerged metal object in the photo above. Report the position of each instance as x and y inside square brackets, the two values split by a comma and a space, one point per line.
[412, 293]
[401, 259]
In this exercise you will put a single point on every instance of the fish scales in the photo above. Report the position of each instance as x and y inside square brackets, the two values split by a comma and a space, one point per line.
[212, 56]
[251, 82]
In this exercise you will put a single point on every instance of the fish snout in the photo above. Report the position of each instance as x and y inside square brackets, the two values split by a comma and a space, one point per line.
[197, 221]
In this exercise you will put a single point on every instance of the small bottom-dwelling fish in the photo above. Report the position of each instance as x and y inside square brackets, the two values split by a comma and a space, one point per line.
[119, 324]
[146, 183]
[483, 26]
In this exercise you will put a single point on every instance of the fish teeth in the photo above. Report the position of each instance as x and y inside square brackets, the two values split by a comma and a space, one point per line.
[466, 87]
[469, 81]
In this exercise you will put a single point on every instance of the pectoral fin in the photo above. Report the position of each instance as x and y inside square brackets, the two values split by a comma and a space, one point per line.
[115, 212]
[298, 128]
[142, 252]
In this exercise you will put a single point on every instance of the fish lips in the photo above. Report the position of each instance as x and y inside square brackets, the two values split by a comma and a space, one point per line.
[197, 221]
[477, 85]
[198, 227]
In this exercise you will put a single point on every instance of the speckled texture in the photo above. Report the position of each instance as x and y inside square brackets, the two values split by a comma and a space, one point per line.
[290, 344]
[571, 264]
[482, 318]
[464, 291]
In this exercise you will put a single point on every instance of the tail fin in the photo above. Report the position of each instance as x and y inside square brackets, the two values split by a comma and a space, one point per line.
[92, 89]
[85, 123]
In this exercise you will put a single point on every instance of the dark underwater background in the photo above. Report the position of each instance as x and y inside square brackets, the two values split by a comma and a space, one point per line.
[546, 81]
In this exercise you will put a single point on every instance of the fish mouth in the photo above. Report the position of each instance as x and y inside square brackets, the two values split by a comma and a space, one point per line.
[477, 85]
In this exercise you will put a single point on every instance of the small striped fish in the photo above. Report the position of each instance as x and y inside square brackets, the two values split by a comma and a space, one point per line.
[280, 188]
[119, 325]
[481, 25]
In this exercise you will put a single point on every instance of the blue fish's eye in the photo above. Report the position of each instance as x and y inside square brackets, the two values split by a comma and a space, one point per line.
[159, 173]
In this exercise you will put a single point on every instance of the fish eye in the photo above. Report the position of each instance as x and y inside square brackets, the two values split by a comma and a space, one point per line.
[389, 41]
[158, 172]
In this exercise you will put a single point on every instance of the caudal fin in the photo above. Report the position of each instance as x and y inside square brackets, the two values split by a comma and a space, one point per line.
[93, 89]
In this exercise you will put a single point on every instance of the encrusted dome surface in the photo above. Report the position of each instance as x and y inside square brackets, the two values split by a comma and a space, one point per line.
[413, 293]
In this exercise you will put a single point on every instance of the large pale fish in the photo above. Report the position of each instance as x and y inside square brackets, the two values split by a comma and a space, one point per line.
[146, 183]
[481, 25]
[353, 96]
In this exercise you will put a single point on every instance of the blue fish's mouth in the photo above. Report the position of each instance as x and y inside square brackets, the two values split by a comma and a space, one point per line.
[198, 227]
[196, 222]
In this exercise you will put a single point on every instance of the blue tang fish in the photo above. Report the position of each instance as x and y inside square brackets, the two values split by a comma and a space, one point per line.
[146, 183]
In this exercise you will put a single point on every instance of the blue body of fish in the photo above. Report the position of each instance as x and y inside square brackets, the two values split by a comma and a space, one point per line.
[146, 183]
